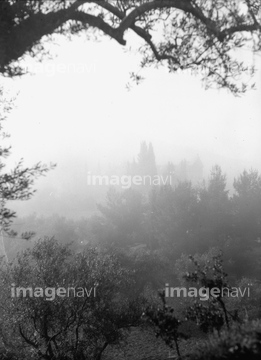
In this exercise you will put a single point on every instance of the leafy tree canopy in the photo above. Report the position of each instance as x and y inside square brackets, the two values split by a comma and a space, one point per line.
[92, 313]
[199, 35]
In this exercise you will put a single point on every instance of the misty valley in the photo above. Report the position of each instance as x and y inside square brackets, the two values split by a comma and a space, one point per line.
[179, 260]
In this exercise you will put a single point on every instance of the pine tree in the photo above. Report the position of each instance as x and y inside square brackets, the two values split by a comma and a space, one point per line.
[146, 160]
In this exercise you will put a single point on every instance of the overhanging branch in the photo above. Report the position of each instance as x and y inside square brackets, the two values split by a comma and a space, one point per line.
[98, 23]
[185, 6]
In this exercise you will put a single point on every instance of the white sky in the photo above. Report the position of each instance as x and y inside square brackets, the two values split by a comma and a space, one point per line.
[76, 110]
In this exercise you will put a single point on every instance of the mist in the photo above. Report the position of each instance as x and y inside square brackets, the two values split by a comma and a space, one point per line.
[78, 111]
[130, 180]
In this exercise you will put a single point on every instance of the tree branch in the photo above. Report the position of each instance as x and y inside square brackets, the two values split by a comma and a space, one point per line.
[238, 28]
[188, 21]
[28, 341]
[98, 23]
[185, 6]
[121, 15]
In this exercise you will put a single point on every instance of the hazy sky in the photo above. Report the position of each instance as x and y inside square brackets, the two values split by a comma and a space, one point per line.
[76, 110]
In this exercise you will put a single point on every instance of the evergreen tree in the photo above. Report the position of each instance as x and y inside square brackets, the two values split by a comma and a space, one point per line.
[247, 205]
[214, 211]
[152, 170]
[142, 158]
[146, 160]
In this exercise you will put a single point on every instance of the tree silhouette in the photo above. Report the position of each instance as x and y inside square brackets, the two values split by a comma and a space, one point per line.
[247, 204]
[16, 184]
[146, 160]
[199, 35]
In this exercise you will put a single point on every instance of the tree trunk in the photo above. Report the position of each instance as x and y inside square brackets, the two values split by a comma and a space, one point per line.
[2, 246]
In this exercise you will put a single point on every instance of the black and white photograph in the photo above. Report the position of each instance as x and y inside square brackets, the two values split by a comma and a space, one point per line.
[130, 179]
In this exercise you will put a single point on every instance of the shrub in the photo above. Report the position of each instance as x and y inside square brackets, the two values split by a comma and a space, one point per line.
[65, 327]
[240, 342]
[166, 324]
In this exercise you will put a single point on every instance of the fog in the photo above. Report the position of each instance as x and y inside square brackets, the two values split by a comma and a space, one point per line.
[77, 110]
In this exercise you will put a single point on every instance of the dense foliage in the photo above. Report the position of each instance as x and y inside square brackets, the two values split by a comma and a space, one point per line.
[241, 342]
[141, 240]
[78, 304]
[189, 219]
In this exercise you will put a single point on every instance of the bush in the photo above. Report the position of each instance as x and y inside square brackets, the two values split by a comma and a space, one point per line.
[8, 355]
[45, 326]
[241, 342]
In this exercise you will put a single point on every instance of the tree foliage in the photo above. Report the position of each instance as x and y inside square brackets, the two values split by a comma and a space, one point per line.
[82, 322]
[210, 276]
[247, 205]
[189, 219]
[16, 184]
[199, 35]
[166, 323]
[146, 160]
[238, 343]
[124, 212]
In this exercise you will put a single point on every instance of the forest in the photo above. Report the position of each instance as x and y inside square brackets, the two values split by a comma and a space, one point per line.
[141, 241]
